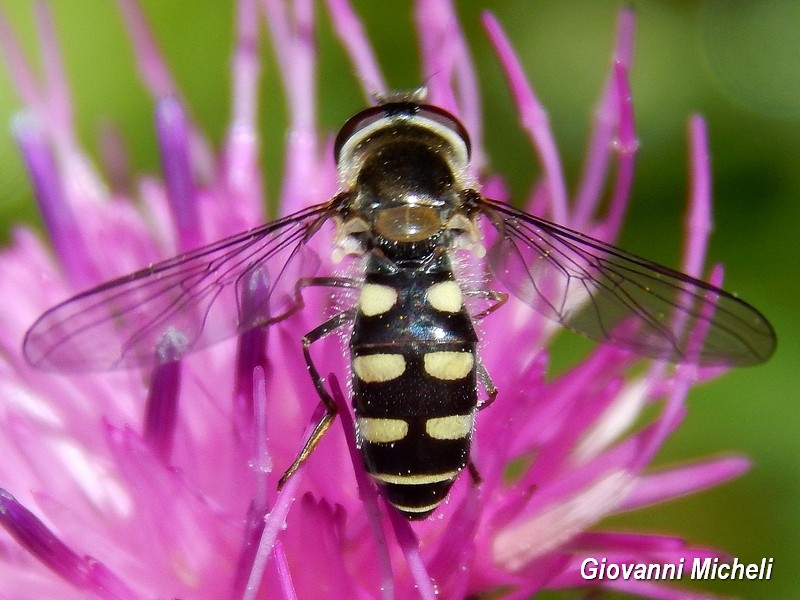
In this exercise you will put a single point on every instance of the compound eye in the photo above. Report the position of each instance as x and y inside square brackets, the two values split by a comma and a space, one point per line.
[446, 119]
[355, 124]
[369, 116]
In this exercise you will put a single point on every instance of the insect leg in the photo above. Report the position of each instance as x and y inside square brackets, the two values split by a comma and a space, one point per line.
[491, 393]
[306, 282]
[473, 473]
[487, 384]
[496, 299]
[324, 423]
[340, 282]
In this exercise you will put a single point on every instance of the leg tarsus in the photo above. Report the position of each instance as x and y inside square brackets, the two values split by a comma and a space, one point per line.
[498, 299]
[488, 386]
[473, 472]
[316, 435]
[331, 410]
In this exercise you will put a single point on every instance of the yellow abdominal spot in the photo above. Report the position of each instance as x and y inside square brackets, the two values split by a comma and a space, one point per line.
[381, 431]
[445, 296]
[448, 365]
[376, 299]
[377, 368]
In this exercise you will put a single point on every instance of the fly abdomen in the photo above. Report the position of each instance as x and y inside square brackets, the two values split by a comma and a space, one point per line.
[415, 471]
[414, 384]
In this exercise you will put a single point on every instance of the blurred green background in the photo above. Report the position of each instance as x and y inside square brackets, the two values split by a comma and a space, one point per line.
[735, 62]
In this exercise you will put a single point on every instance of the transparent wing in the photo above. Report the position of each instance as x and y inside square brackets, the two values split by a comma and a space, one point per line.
[610, 295]
[182, 304]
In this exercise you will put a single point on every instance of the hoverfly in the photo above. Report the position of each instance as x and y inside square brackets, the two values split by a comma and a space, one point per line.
[407, 206]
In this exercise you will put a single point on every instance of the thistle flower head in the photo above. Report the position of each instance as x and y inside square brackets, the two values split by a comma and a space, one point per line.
[183, 502]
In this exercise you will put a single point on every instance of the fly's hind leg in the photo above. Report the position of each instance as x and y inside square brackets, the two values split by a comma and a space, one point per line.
[487, 384]
[491, 393]
[494, 299]
[474, 473]
[324, 423]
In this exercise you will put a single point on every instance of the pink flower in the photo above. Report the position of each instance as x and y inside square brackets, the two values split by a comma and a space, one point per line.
[184, 503]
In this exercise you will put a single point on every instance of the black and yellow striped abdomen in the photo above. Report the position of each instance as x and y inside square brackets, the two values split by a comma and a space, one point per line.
[414, 381]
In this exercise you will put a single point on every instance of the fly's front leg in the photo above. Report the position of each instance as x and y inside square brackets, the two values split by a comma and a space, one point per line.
[338, 282]
[324, 423]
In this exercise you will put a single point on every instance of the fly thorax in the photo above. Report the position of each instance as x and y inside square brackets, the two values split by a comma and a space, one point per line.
[405, 171]
[406, 192]
[407, 232]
